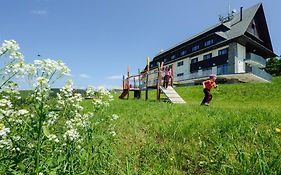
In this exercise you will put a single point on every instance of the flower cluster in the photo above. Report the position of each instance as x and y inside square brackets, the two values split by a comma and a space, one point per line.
[102, 98]
[10, 48]
[58, 124]
[90, 92]
[48, 67]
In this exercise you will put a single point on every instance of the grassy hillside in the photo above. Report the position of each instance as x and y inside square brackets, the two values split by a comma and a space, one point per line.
[234, 135]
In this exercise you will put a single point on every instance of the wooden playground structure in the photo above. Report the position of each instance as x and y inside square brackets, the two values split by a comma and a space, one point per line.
[146, 80]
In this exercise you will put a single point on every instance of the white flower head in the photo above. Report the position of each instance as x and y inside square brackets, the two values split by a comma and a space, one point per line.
[4, 131]
[71, 135]
[22, 112]
[114, 117]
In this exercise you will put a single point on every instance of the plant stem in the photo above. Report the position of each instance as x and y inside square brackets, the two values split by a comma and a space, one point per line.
[40, 122]
[7, 80]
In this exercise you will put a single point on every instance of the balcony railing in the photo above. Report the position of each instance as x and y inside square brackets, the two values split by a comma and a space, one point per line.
[259, 72]
[255, 60]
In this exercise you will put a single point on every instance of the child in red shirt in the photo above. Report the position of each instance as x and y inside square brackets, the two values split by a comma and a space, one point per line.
[208, 85]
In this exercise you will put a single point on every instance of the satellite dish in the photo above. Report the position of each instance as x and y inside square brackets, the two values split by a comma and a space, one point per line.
[233, 11]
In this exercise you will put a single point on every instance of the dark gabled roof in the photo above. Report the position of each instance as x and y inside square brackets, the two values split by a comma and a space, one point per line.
[236, 28]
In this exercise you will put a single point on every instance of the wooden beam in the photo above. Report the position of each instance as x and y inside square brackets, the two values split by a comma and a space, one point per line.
[172, 75]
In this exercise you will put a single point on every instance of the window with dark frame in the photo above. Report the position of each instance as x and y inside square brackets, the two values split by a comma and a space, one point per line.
[184, 52]
[180, 63]
[180, 74]
[194, 60]
[195, 48]
[223, 51]
[173, 57]
[208, 56]
[209, 42]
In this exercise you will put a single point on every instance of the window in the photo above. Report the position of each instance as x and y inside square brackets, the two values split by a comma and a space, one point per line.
[222, 69]
[207, 72]
[173, 57]
[184, 52]
[165, 60]
[180, 74]
[209, 42]
[208, 56]
[180, 63]
[194, 48]
[223, 51]
[194, 60]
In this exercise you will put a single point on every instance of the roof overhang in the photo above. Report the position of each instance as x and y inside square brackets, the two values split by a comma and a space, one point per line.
[255, 46]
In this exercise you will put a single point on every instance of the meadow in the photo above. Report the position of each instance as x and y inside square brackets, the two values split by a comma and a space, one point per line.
[237, 134]
[44, 132]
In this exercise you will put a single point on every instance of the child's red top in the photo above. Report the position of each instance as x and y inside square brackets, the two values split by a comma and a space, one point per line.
[209, 84]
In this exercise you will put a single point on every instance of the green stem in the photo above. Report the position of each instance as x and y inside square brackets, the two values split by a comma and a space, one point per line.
[7, 80]
[4, 52]
[40, 123]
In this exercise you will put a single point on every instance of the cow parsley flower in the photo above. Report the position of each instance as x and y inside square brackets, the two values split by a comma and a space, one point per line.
[71, 135]
[4, 131]
[114, 117]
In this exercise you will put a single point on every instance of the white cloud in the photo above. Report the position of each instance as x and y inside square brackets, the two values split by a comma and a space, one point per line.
[115, 77]
[84, 76]
[39, 12]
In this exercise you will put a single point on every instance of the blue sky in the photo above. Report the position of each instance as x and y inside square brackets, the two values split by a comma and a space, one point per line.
[98, 39]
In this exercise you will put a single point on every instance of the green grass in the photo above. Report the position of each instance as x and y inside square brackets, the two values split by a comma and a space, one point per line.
[234, 135]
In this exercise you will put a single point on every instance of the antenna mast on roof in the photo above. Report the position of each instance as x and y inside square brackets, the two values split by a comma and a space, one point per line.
[229, 17]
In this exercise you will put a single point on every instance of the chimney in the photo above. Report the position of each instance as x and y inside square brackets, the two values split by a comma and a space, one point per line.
[241, 13]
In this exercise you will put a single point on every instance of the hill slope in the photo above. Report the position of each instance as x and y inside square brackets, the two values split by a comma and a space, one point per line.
[235, 135]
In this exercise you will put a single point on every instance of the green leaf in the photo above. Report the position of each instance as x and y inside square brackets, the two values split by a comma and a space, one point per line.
[46, 131]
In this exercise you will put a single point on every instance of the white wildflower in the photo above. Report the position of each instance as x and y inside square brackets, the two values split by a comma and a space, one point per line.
[5, 143]
[114, 117]
[4, 131]
[5, 103]
[10, 48]
[22, 112]
[113, 133]
[71, 134]
[53, 137]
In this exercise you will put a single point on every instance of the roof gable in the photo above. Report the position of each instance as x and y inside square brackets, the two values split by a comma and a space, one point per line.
[235, 28]
[259, 30]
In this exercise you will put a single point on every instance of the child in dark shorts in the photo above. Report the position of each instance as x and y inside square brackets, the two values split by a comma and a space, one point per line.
[208, 85]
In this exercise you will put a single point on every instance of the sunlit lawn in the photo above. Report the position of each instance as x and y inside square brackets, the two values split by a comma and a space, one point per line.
[234, 135]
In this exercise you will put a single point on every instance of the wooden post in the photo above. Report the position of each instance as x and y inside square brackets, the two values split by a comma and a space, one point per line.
[158, 84]
[159, 79]
[146, 84]
[139, 83]
[123, 82]
[134, 82]
[139, 78]
[172, 75]
[128, 74]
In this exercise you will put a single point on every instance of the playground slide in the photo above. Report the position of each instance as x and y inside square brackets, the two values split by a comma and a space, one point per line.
[172, 95]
